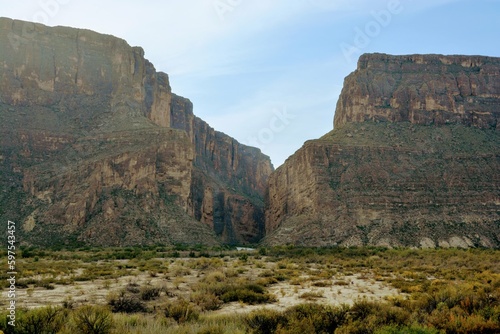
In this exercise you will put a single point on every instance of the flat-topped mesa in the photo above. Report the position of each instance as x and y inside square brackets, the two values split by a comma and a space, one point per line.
[384, 176]
[422, 89]
[64, 67]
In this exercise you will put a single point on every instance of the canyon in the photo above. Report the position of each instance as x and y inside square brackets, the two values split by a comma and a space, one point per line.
[97, 150]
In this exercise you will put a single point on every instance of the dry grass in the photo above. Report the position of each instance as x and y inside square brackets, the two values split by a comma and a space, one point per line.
[180, 292]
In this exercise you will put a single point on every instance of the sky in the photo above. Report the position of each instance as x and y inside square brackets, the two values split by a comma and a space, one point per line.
[269, 72]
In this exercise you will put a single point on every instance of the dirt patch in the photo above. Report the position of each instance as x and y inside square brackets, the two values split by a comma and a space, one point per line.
[183, 275]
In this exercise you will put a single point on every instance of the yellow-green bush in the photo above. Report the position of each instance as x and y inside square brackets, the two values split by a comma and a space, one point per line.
[181, 311]
[92, 320]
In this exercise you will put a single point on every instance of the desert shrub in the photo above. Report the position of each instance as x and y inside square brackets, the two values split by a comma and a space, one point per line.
[211, 329]
[125, 303]
[92, 320]
[367, 316]
[206, 301]
[133, 287]
[179, 271]
[214, 277]
[267, 281]
[311, 295]
[341, 283]
[456, 321]
[281, 276]
[322, 284]
[267, 273]
[205, 263]
[406, 330]
[181, 311]
[232, 291]
[249, 293]
[314, 318]
[361, 309]
[150, 293]
[300, 319]
[37, 321]
[264, 321]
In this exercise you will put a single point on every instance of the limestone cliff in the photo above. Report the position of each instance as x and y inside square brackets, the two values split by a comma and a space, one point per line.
[96, 149]
[422, 89]
[229, 179]
[414, 160]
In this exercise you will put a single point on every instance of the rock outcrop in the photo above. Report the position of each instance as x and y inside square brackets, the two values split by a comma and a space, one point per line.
[414, 160]
[229, 179]
[422, 89]
[96, 148]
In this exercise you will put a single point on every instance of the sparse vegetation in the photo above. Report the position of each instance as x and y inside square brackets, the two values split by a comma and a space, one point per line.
[440, 291]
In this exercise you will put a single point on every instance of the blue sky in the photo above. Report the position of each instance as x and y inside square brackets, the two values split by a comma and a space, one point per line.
[269, 72]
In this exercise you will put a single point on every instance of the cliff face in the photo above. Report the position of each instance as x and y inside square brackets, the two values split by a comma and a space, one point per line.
[229, 179]
[422, 89]
[398, 169]
[95, 147]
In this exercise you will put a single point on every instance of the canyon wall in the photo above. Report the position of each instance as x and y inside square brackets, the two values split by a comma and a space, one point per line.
[414, 160]
[229, 179]
[96, 149]
[422, 89]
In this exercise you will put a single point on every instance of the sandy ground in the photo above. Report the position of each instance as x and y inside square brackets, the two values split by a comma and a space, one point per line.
[289, 295]
[341, 289]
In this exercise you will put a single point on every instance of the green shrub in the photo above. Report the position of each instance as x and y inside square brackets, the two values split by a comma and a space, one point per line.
[320, 318]
[311, 295]
[249, 293]
[300, 319]
[406, 330]
[41, 321]
[206, 301]
[181, 311]
[125, 303]
[150, 293]
[92, 320]
[264, 321]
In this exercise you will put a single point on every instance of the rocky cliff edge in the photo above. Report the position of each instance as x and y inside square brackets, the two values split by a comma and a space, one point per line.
[96, 149]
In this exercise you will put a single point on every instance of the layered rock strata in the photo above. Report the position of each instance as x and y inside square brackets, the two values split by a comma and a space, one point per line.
[414, 160]
[96, 149]
[422, 89]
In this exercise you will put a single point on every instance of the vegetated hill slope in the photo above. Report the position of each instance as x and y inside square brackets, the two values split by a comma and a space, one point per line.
[414, 160]
[96, 149]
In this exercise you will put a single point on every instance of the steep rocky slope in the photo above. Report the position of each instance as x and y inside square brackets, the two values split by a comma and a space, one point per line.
[96, 148]
[414, 160]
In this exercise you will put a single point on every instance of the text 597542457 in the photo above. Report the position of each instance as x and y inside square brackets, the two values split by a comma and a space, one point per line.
[11, 272]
